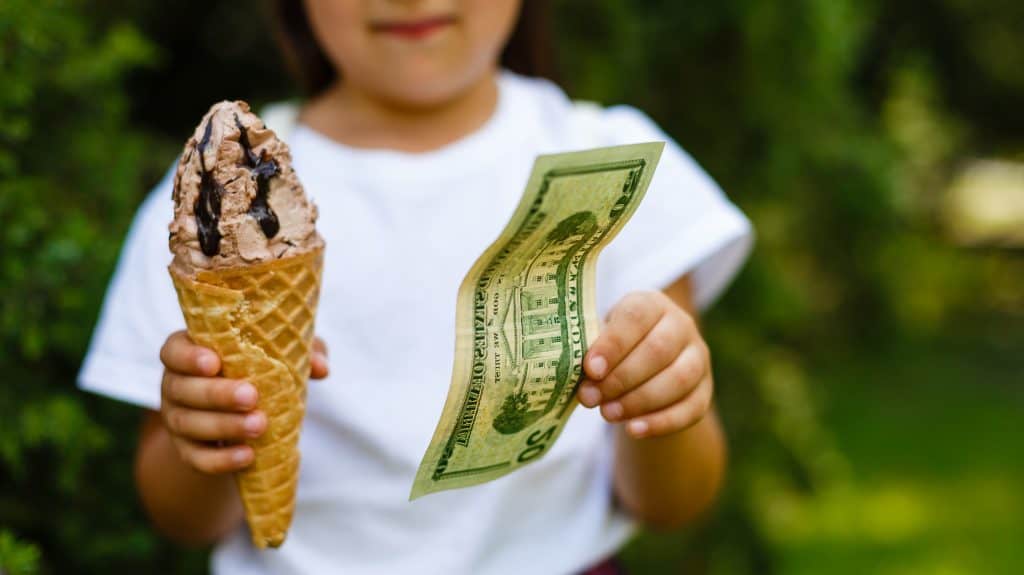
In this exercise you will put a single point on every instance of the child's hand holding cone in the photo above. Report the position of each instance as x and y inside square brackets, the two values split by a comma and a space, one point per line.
[209, 417]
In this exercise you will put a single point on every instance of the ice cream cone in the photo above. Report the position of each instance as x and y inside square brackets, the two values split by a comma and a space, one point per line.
[259, 319]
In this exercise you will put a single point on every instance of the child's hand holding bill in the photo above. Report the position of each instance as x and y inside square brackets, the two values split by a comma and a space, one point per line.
[649, 367]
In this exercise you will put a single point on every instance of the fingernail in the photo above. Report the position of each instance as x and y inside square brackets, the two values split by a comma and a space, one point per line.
[254, 424]
[590, 395]
[242, 455]
[207, 362]
[245, 395]
[612, 410]
[637, 428]
[598, 365]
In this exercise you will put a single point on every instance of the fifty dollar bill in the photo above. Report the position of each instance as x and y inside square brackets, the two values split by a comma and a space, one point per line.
[526, 315]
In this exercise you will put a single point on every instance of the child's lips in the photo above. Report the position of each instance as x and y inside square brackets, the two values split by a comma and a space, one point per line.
[414, 29]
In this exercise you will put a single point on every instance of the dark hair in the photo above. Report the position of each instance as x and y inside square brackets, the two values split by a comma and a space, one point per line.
[529, 50]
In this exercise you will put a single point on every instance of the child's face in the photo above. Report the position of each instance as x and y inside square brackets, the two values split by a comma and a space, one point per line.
[414, 52]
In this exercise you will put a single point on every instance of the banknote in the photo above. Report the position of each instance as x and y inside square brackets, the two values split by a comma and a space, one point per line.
[526, 313]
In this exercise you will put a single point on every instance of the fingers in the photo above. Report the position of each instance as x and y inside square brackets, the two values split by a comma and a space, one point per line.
[669, 386]
[211, 459]
[199, 425]
[209, 393]
[628, 323]
[658, 349]
[320, 346]
[318, 368]
[179, 354]
[649, 368]
[676, 417]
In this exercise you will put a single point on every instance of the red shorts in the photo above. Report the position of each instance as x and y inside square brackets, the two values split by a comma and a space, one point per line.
[610, 566]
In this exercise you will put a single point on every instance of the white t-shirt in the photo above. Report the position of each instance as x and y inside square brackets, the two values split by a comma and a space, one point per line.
[402, 230]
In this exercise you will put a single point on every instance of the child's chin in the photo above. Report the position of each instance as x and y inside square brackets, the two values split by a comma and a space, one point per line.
[430, 88]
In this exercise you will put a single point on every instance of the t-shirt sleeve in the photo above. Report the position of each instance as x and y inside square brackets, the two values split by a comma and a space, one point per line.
[139, 311]
[684, 225]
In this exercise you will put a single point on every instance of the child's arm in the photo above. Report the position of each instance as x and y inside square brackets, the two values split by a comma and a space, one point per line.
[651, 369]
[188, 450]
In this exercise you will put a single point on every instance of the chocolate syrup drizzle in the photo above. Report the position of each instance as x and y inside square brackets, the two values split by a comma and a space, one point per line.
[263, 168]
[207, 208]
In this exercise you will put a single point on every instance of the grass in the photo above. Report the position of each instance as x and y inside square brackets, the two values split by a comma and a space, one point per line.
[933, 437]
[936, 450]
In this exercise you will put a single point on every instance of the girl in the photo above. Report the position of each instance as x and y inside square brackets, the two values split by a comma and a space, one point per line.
[416, 144]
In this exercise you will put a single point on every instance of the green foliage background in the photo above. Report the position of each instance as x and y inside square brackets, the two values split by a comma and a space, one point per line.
[834, 124]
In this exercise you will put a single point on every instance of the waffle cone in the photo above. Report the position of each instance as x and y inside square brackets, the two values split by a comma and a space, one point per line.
[259, 319]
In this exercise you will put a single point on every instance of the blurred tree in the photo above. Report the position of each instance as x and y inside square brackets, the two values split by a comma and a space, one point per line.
[17, 558]
[71, 174]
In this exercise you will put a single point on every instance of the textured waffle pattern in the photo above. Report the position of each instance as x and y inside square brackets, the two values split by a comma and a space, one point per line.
[259, 319]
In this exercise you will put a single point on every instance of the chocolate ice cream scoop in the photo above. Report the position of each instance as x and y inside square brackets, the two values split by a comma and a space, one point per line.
[237, 199]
